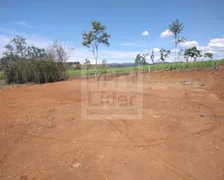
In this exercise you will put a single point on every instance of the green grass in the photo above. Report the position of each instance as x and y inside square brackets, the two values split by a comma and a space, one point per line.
[72, 73]
[155, 67]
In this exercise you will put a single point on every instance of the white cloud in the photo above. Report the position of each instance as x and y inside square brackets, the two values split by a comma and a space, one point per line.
[139, 44]
[216, 43]
[215, 46]
[166, 34]
[156, 50]
[188, 44]
[145, 33]
[24, 24]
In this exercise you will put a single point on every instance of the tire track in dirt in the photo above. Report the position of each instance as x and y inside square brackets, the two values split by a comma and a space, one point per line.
[166, 164]
[136, 144]
[126, 135]
[217, 122]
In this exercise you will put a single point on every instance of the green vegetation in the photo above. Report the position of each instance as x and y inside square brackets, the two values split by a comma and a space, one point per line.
[95, 37]
[176, 28]
[22, 71]
[154, 67]
[1, 75]
[24, 64]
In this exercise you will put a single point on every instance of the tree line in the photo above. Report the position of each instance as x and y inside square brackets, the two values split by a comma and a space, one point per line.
[176, 28]
[98, 35]
[22, 63]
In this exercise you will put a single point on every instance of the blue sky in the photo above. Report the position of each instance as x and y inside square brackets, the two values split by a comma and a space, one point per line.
[45, 20]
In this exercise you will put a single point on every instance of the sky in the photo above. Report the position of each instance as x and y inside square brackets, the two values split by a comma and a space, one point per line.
[135, 26]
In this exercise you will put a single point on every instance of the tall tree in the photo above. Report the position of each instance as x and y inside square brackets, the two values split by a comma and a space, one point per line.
[176, 28]
[95, 37]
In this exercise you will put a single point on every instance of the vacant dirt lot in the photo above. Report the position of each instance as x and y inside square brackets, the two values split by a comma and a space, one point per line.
[178, 132]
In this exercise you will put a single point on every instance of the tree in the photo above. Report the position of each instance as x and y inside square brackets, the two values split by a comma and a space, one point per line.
[23, 64]
[152, 56]
[181, 54]
[87, 64]
[17, 47]
[164, 54]
[208, 55]
[36, 53]
[192, 52]
[141, 59]
[176, 28]
[104, 62]
[59, 52]
[137, 59]
[95, 37]
[9, 50]
[144, 62]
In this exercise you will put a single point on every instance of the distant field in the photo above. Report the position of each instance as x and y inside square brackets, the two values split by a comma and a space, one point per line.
[155, 67]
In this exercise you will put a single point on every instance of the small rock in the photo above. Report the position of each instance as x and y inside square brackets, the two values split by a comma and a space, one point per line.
[203, 114]
[76, 165]
[156, 115]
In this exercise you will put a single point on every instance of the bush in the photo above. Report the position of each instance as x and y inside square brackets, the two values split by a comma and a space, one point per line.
[1, 75]
[21, 71]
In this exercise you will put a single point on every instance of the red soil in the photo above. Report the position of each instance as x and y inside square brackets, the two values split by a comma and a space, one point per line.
[178, 135]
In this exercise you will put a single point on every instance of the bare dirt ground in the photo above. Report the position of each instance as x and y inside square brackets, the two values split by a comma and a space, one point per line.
[179, 135]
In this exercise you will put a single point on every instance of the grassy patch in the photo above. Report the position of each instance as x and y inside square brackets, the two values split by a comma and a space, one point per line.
[155, 67]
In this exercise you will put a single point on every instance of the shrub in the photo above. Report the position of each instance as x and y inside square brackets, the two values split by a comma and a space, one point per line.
[1, 75]
[27, 71]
